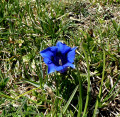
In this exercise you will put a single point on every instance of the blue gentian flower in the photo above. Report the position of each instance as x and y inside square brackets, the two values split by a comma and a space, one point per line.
[59, 57]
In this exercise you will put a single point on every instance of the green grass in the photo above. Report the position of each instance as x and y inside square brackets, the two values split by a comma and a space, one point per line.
[91, 89]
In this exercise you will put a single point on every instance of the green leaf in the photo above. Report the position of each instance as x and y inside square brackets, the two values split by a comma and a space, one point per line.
[6, 96]
[111, 92]
[115, 25]
[70, 99]
[33, 83]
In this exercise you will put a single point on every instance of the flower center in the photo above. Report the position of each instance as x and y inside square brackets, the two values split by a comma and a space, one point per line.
[60, 62]
[59, 59]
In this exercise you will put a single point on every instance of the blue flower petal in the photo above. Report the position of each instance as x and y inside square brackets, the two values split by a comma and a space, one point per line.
[69, 65]
[71, 55]
[54, 49]
[47, 61]
[63, 48]
[47, 53]
[51, 68]
[59, 68]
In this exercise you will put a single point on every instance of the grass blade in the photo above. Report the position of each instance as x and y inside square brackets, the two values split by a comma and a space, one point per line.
[100, 91]
[70, 99]
[88, 80]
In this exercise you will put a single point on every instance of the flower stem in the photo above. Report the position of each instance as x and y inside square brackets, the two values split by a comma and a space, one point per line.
[88, 80]
[57, 92]
[80, 97]
[100, 91]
